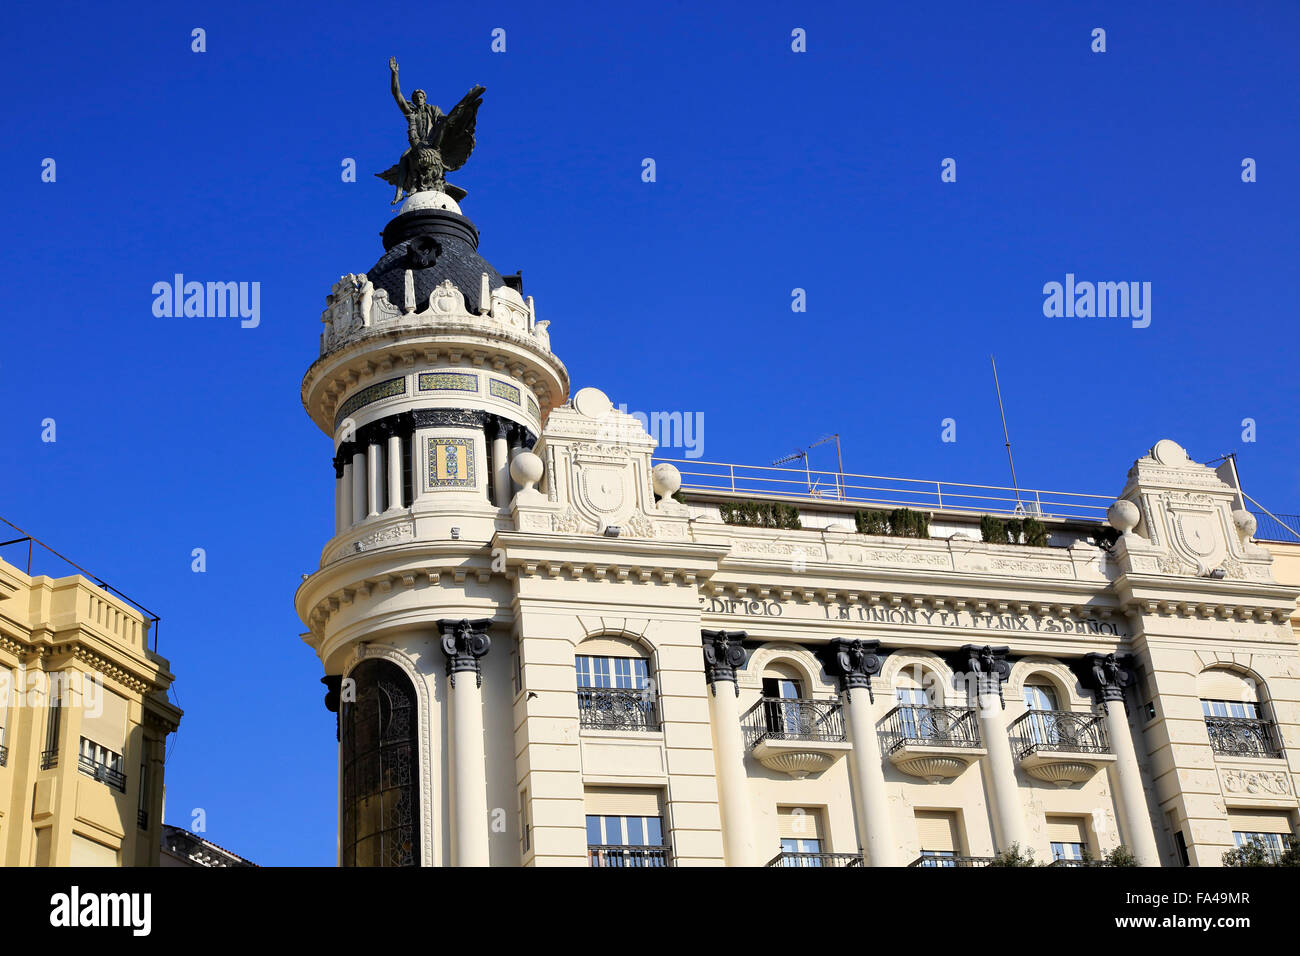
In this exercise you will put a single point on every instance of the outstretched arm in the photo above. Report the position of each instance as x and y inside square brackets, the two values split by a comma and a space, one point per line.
[402, 105]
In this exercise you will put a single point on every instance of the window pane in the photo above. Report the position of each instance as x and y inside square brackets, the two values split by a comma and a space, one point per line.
[583, 665]
[635, 831]
[654, 831]
[593, 831]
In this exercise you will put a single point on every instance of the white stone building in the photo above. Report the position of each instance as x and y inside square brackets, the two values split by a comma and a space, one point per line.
[543, 658]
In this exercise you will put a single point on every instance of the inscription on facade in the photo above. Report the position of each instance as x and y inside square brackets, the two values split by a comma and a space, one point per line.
[924, 617]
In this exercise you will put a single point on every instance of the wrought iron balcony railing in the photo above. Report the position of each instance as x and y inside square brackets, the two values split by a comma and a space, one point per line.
[1243, 737]
[617, 708]
[951, 861]
[815, 859]
[1058, 731]
[909, 725]
[102, 772]
[142, 819]
[785, 718]
[49, 759]
[608, 855]
[4, 755]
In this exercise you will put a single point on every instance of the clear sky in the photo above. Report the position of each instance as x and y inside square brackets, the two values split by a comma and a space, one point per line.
[775, 170]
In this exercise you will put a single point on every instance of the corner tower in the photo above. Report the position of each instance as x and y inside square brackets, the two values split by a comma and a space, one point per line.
[433, 373]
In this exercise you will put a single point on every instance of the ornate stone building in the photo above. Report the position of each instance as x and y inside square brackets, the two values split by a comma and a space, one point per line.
[544, 649]
[84, 719]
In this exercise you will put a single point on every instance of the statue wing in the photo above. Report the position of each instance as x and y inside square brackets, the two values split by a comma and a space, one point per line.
[392, 175]
[458, 133]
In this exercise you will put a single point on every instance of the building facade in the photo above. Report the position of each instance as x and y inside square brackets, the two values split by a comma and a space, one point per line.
[84, 719]
[544, 648]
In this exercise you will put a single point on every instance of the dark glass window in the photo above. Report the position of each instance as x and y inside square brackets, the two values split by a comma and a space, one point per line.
[380, 798]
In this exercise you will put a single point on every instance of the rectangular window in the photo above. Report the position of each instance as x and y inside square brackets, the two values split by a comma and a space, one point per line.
[938, 834]
[101, 763]
[1270, 828]
[625, 828]
[630, 673]
[1068, 837]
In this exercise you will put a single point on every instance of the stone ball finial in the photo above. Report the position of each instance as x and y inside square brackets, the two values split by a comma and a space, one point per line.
[1245, 522]
[526, 469]
[666, 480]
[1123, 516]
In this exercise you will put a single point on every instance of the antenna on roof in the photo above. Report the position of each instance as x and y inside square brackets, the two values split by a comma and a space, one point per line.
[1002, 411]
[802, 453]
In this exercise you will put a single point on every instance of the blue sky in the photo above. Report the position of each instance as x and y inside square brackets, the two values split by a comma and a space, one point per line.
[775, 171]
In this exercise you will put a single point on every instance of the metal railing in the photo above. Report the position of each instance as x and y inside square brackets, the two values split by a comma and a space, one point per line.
[815, 859]
[787, 718]
[102, 772]
[1279, 527]
[4, 755]
[628, 856]
[142, 819]
[1243, 737]
[773, 482]
[1058, 731]
[950, 861]
[31, 540]
[910, 725]
[616, 708]
[49, 759]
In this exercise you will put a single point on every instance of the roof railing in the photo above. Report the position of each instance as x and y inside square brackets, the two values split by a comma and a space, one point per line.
[880, 490]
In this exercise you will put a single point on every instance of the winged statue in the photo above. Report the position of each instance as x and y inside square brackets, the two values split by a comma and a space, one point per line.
[439, 142]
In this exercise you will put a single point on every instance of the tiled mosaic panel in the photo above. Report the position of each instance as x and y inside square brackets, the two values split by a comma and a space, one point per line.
[448, 382]
[451, 463]
[369, 395]
[533, 409]
[503, 390]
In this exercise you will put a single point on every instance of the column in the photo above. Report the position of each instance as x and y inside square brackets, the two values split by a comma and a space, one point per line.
[853, 664]
[342, 492]
[723, 653]
[374, 477]
[988, 668]
[501, 465]
[394, 455]
[358, 482]
[464, 643]
[1107, 677]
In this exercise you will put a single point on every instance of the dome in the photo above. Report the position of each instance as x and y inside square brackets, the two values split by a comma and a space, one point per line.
[435, 244]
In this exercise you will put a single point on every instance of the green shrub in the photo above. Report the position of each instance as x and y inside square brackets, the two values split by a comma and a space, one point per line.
[1028, 531]
[1014, 856]
[1035, 533]
[761, 514]
[993, 529]
[1256, 853]
[899, 523]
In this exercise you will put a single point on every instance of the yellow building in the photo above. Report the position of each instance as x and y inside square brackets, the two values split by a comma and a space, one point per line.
[84, 719]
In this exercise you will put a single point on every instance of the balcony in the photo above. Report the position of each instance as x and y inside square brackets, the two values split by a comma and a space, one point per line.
[628, 856]
[4, 755]
[934, 743]
[102, 772]
[815, 859]
[49, 759]
[616, 708]
[931, 860]
[795, 736]
[1243, 737]
[1059, 746]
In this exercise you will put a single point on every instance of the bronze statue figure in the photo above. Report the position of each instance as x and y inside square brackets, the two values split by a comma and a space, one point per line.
[439, 142]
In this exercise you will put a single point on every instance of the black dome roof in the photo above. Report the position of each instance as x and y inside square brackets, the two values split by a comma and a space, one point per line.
[435, 244]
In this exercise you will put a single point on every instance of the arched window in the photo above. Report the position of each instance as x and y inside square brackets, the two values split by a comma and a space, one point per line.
[615, 688]
[915, 690]
[1042, 722]
[1234, 716]
[380, 764]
